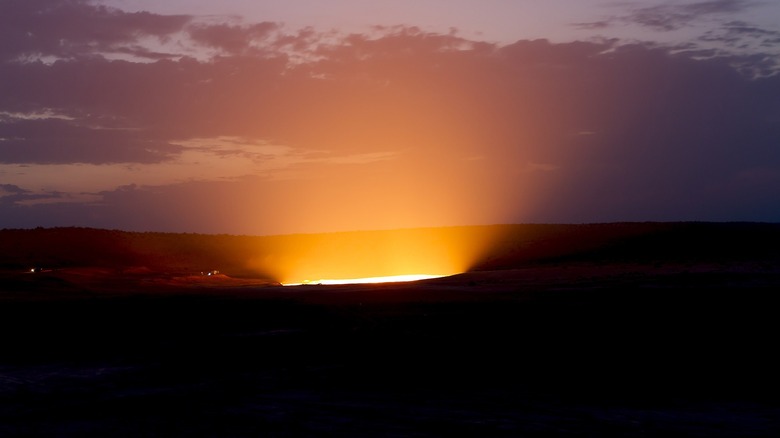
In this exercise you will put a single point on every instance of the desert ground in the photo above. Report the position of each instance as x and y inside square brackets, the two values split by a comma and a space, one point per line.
[630, 330]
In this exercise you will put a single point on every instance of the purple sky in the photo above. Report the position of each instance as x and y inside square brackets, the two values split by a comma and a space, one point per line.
[266, 117]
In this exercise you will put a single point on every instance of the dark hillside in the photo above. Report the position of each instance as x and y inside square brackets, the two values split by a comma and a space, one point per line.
[629, 330]
[515, 246]
[684, 242]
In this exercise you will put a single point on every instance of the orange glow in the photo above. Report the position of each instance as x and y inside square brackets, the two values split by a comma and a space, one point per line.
[386, 279]
[376, 255]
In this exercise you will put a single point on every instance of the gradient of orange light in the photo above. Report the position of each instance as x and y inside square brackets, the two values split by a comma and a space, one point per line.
[449, 154]
[360, 254]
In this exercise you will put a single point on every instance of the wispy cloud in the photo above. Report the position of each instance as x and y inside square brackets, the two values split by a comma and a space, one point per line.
[672, 16]
[710, 28]
[12, 195]
[742, 35]
[42, 114]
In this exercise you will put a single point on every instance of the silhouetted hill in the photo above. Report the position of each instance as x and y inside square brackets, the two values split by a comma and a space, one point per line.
[507, 246]
[79, 247]
[650, 242]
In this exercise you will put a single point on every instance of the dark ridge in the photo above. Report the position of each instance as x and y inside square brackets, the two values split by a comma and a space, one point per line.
[650, 242]
[518, 245]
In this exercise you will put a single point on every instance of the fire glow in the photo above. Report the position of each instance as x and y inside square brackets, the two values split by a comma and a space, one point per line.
[372, 256]
[368, 280]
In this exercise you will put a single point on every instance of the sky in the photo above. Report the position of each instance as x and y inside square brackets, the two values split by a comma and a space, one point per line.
[278, 117]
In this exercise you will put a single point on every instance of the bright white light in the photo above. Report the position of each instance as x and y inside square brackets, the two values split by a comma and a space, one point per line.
[387, 279]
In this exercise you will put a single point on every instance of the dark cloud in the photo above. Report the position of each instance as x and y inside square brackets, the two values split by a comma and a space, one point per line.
[233, 39]
[52, 141]
[13, 197]
[718, 6]
[671, 16]
[68, 28]
[121, 111]
[725, 37]
[594, 25]
[742, 35]
[11, 188]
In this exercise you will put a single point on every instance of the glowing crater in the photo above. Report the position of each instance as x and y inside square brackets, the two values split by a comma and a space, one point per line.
[385, 279]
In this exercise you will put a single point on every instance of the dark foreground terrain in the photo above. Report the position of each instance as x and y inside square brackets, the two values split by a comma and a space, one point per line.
[637, 334]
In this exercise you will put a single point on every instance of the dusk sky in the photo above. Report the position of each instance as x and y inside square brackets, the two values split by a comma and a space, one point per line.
[274, 117]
